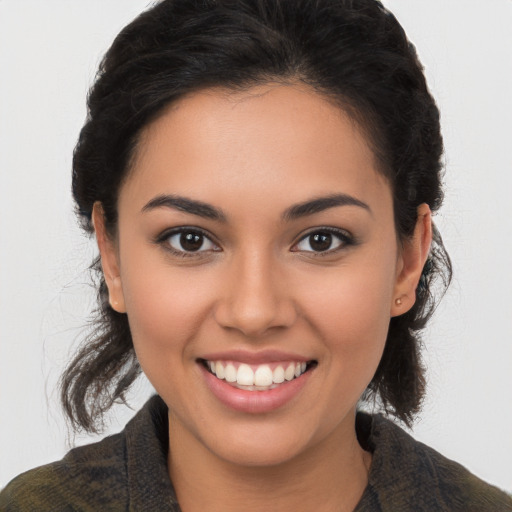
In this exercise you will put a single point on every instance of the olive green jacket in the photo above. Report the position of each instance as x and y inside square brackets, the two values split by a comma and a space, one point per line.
[128, 472]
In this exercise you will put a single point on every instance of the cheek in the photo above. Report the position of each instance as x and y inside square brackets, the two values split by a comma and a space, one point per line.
[350, 299]
[350, 310]
[165, 308]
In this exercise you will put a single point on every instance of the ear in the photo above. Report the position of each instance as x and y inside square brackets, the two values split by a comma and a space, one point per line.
[414, 254]
[109, 259]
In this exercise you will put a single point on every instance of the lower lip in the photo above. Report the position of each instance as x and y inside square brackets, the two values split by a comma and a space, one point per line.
[254, 402]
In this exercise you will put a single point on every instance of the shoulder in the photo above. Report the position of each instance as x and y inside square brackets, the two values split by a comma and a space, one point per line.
[413, 476]
[458, 487]
[91, 477]
[127, 470]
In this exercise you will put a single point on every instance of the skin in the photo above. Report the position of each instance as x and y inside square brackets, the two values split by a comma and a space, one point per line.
[259, 285]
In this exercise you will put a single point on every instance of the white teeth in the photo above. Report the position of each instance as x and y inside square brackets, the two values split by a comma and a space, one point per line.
[263, 376]
[289, 373]
[230, 373]
[278, 375]
[219, 371]
[245, 375]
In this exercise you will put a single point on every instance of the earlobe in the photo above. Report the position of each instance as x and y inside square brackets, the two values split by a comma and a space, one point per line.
[413, 256]
[109, 260]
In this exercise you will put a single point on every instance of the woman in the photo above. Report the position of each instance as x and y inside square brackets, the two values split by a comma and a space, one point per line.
[260, 177]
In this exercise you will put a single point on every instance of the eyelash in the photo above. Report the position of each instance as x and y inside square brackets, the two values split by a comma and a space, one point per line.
[163, 239]
[345, 239]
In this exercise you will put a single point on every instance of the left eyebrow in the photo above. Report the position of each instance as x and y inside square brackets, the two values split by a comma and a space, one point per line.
[320, 204]
[186, 205]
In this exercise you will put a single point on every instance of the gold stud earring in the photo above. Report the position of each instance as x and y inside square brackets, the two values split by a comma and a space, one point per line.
[398, 301]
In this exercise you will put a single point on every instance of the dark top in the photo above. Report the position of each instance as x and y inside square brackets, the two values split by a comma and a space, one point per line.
[128, 472]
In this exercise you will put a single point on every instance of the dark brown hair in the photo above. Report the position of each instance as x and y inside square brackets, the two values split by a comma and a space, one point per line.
[353, 51]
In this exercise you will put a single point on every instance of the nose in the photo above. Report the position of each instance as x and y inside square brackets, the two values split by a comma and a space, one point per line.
[256, 297]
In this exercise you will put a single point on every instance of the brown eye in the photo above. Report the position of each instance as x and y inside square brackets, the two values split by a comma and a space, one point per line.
[324, 241]
[191, 241]
[320, 241]
[184, 242]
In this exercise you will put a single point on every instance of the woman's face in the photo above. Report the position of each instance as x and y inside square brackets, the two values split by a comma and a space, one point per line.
[256, 236]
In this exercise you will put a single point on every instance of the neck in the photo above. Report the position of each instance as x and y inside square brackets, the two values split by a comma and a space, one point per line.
[331, 475]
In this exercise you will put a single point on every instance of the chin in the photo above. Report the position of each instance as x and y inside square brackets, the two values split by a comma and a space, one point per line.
[250, 454]
[259, 445]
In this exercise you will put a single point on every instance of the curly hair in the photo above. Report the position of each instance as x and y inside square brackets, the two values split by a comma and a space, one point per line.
[352, 51]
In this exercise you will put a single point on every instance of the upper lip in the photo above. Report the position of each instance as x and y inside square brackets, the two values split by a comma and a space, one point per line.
[259, 357]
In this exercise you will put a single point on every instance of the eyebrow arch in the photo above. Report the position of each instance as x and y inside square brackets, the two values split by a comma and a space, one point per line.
[186, 205]
[320, 204]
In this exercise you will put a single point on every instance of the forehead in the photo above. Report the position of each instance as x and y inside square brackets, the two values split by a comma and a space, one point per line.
[256, 144]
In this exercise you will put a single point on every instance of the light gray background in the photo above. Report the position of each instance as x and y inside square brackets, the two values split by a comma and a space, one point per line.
[49, 50]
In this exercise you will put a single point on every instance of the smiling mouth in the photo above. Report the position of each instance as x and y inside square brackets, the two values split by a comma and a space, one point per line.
[262, 377]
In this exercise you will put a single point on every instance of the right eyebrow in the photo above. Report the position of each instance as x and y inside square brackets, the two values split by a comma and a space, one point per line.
[187, 205]
[319, 204]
